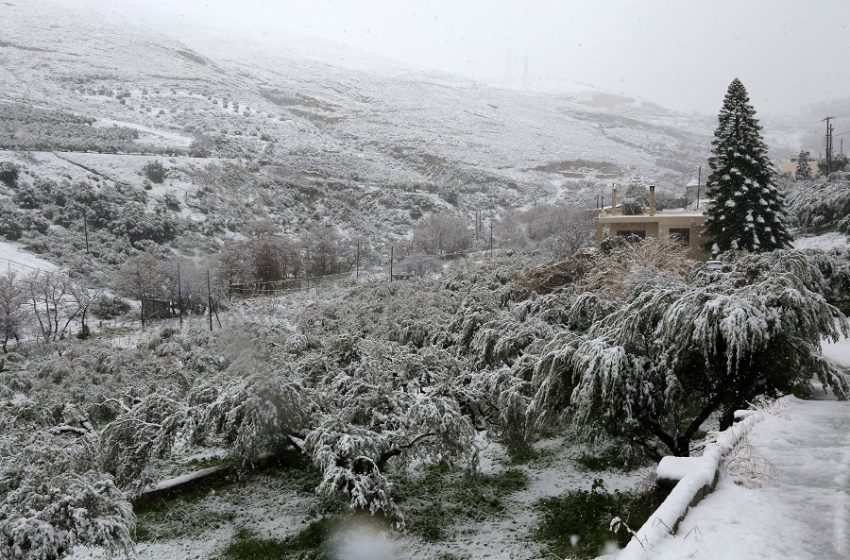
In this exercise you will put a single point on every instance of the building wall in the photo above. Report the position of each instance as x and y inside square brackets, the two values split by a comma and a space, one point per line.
[790, 166]
[656, 226]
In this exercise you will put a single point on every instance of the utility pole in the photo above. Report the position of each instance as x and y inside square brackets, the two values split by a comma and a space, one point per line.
[179, 296]
[828, 144]
[86, 230]
[357, 261]
[209, 299]
[491, 236]
[392, 249]
[142, 299]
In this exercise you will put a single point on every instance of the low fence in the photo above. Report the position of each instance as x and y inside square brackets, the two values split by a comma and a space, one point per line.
[691, 478]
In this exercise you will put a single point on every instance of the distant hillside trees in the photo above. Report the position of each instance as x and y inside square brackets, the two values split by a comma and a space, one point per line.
[804, 170]
[266, 260]
[12, 313]
[746, 211]
[260, 261]
[122, 211]
[144, 276]
[840, 163]
[325, 251]
[441, 234]
[821, 204]
[561, 230]
[23, 127]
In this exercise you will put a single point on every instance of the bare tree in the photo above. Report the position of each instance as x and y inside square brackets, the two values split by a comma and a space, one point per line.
[144, 276]
[510, 231]
[12, 313]
[562, 230]
[442, 234]
[325, 251]
[56, 301]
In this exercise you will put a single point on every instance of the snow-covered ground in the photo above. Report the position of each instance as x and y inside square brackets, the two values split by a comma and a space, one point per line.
[273, 505]
[826, 241]
[15, 259]
[785, 493]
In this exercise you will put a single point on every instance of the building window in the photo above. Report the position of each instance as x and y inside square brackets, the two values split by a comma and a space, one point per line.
[681, 235]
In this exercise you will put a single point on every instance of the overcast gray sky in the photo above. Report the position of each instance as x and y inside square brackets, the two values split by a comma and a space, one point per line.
[679, 53]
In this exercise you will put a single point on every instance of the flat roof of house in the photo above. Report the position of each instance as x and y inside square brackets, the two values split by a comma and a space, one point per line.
[661, 215]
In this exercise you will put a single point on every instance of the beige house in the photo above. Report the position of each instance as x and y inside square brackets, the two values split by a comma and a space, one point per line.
[685, 226]
[789, 166]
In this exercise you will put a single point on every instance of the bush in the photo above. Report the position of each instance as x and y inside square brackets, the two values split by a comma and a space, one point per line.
[577, 524]
[9, 173]
[450, 196]
[155, 171]
[109, 308]
[820, 205]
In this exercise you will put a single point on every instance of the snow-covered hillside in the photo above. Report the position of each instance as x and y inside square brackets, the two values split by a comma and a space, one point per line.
[265, 99]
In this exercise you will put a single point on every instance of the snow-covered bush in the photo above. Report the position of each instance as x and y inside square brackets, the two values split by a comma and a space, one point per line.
[676, 352]
[155, 171]
[261, 414]
[141, 434]
[821, 204]
[53, 496]
[9, 173]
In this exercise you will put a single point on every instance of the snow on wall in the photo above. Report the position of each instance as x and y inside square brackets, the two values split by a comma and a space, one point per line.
[696, 477]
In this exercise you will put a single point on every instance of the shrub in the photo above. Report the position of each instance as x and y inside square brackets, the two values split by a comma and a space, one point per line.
[9, 173]
[578, 524]
[155, 171]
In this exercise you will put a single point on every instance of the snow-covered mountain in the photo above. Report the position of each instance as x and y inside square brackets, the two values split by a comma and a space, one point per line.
[303, 132]
[398, 122]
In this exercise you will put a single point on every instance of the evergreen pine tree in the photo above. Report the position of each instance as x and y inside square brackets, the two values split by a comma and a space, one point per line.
[804, 170]
[746, 209]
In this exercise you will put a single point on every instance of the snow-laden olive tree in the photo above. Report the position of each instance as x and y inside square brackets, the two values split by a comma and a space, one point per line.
[677, 352]
[54, 496]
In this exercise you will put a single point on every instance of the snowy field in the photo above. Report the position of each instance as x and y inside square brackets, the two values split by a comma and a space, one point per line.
[278, 505]
[826, 241]
[15, 259]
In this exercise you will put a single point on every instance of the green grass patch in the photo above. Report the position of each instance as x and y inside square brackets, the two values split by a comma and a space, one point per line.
[441, 498]
[521, 454]
[166, 521]
[584, 517]
[610, 459]
[306, 544]
[183, 512]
